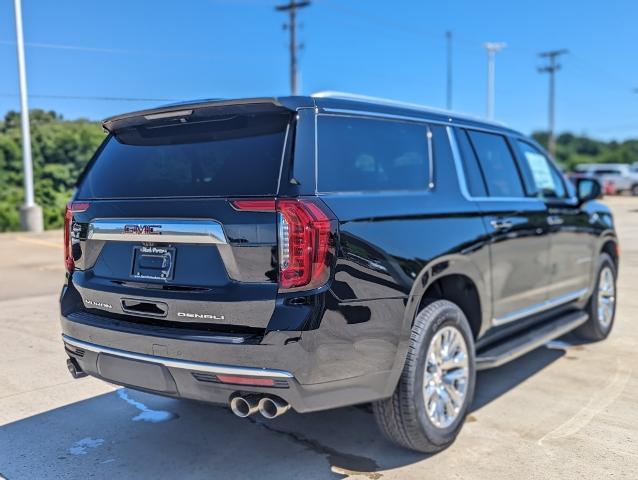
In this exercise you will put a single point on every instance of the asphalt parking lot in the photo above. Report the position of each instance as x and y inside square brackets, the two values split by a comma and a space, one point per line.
[566, 410]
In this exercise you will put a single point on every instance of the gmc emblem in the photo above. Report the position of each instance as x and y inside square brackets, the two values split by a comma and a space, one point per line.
[143, 229]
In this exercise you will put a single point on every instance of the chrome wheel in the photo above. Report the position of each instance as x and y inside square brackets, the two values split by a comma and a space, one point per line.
[606, 297]
[446, 376]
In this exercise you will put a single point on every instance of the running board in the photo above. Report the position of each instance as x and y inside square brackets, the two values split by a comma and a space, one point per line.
[515, 347]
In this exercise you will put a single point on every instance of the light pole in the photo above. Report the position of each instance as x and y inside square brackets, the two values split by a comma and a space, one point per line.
[492, 48]
[448, 103]
[30, 213]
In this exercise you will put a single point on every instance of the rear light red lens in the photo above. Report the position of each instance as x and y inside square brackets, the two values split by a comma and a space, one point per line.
[304, 243]
[71, 208]
[237, 380]
[304, 238]
[265, 205]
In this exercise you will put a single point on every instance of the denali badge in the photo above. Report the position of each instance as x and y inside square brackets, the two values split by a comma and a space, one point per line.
[98, 304]
[143, 229]
[200, 315]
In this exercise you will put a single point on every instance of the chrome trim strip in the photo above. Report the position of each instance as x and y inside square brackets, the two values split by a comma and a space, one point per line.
[162, 230]
[540, 307]
[430, 159]
[182, 364]
[397, 103]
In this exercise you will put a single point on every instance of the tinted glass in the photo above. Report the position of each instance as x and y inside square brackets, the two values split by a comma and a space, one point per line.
[357, 154]
[500, 172]
[472, 170]
[218, 156]
[546, 179]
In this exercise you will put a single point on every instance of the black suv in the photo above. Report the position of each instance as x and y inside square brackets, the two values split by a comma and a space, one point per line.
[317, 252]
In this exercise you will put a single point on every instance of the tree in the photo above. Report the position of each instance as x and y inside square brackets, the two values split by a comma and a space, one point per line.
[60, 150]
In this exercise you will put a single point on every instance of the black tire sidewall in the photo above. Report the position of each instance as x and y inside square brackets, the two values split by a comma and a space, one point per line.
[601, 332]
[448, 315]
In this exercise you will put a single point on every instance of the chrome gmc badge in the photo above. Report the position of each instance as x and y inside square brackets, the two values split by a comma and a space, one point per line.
[143, 229]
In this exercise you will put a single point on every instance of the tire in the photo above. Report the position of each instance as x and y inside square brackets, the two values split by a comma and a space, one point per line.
[598, 326]
[634, 190]
[403, 417]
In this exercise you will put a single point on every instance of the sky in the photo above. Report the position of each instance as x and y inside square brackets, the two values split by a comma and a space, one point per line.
[182, 50]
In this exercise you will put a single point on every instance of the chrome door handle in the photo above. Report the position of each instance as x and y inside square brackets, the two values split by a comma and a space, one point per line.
[555, 220]
[501, 224]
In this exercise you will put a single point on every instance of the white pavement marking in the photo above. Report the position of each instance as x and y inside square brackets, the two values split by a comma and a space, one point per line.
[146, 414]
[597, 403]
[81, 446]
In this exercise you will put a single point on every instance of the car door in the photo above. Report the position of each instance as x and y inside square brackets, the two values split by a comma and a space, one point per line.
[570, 234]
[516, 224]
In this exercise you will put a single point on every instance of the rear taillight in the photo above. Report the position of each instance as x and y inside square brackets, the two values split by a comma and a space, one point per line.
[71, 208]
[306, 246]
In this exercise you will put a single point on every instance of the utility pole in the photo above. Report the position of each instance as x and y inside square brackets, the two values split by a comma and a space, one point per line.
[492, 48]
[551, 68]
[291, 8]
[30, 213]
[448, 36]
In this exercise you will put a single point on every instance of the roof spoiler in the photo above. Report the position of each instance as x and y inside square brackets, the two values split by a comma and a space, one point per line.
[182, 110]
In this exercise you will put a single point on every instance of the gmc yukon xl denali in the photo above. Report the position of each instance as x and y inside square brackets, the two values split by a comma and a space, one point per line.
[317, 252]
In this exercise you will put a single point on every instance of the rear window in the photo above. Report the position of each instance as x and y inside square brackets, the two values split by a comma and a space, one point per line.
[230, 155]
[359, 154]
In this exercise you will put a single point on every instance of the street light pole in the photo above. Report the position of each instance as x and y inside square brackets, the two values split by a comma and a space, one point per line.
[30, 213]
[491, 48]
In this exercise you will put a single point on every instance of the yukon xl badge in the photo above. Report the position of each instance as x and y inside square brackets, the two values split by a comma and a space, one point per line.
[200, 315]
[93, 303]
[143, 229]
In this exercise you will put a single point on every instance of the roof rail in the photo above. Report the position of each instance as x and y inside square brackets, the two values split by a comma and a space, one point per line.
[396, 103]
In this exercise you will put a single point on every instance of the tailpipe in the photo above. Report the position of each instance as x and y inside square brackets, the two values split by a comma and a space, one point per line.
[74, 368]
[243, 406]
[272, 407]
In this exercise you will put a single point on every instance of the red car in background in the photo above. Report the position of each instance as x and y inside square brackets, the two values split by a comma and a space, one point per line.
[607, 185]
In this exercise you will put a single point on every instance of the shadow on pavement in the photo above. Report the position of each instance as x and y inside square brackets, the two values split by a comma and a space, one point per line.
[130, 435]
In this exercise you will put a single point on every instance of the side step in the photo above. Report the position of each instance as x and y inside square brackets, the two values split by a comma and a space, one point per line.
[515, 347]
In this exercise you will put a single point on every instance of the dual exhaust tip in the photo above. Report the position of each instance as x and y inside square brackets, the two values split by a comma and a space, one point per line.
[269, 407]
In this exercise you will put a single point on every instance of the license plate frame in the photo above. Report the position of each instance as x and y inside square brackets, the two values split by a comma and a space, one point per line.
[153, 263]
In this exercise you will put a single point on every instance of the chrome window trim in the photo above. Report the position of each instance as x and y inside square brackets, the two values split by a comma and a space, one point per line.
[540, 307]
[430, 158]
[198, 231]
[177, 363]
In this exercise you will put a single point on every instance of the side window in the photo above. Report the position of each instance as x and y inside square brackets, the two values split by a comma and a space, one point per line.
[471, 169]
[497, 163]
[361, 154]
[546, 178]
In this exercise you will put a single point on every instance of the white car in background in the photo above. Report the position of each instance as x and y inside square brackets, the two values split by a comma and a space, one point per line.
[622, 176]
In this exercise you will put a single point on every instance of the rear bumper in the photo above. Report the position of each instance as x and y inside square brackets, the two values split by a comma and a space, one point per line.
[187, 368]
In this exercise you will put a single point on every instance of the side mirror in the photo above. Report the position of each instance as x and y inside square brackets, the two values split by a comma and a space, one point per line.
[588, 189]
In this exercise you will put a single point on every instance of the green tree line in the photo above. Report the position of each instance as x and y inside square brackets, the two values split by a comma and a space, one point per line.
[61, 148]
[574, 149]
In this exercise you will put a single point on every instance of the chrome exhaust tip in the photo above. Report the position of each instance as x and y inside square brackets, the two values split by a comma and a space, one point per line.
[244, 406]
[272, 407]
[74, 368]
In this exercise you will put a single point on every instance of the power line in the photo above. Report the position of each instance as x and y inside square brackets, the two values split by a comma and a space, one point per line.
[291, 8]
[551, 69]
[102, 98]
[116, 51]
